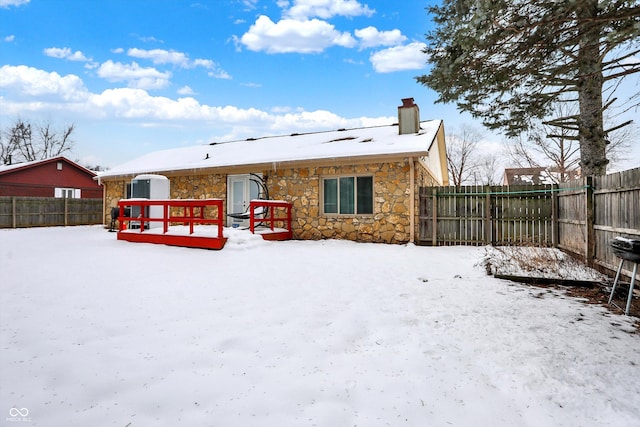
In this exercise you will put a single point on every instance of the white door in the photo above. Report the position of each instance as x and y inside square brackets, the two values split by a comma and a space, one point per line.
[241, 189]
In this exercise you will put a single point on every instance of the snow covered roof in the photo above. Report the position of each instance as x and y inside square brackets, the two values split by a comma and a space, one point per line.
[538, 175]
[25, 165]
[332, 145]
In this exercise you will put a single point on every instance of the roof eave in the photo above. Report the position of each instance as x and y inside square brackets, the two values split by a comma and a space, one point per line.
[36, 163]
[274, 165]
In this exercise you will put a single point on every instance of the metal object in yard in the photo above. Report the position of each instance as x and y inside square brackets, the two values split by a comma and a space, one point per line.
[627, 250]
[115, 212]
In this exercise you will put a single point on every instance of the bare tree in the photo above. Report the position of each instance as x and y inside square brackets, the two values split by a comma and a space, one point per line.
[558, 149]
[620, 142]
[488, 170]
[26, 142]
[55, 142]
[462, 156]
[92, 167]
[557, 153]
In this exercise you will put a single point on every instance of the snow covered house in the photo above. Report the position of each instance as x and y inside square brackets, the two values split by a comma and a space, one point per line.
[356, 184]
[53, 177]
[538, 175]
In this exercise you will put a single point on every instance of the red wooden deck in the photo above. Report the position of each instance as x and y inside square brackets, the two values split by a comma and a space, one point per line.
[205, 214]
[197, 223]
[274, 216]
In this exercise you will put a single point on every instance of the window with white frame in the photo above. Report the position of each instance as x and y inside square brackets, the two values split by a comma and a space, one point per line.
[67, 193]
[348, 195]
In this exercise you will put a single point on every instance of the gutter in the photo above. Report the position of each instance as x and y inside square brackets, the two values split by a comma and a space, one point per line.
[268, 165]
[412, 201]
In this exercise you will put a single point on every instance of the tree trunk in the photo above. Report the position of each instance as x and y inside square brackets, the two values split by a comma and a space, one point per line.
[593, 160]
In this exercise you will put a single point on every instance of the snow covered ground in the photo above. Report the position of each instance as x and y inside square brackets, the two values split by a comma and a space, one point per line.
[99, 332]
[527, 261]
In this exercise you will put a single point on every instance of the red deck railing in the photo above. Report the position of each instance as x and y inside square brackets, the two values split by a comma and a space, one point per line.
[271, 207]
[186, 212]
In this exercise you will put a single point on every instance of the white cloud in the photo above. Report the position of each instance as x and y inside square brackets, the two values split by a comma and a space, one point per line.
[219, 74]
[29, 89]
[325, 9]
[161, 56]
[371, 37]
[179, 59]
[250, 4]
[117, 50]
[33, 82]
[138, 104]
[290, 35]
[135, 75]
[25, 82]
[281, 109]
[399, 58]
[185, 90]
[149, 39]
[310, 121]
[9, 38]
[65, 53]
[353, 61]
[206, 63]
[7, 3]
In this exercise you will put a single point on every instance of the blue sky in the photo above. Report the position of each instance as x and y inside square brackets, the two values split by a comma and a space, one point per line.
[139, 75]
[136, 76]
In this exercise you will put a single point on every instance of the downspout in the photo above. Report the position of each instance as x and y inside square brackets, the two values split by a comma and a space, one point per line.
[104, 201]
[412, 202]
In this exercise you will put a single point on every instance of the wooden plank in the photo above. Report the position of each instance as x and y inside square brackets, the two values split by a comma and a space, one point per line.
[590, 248]
[44, 211]
[617, 230]
[548, 281]
[434, 217]
[540, 215]
[488, 224]
[200, 242]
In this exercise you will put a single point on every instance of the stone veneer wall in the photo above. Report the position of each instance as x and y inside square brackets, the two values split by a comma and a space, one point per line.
[389, 223]
[113, 192]
[422, 179]
[181, 187]
[390, 219]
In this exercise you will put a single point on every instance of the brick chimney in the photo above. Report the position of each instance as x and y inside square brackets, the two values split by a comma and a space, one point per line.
[408, 117]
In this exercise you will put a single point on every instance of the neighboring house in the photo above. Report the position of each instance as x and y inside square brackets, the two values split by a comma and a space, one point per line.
[356, 184]
[54, 177]
[538, 175]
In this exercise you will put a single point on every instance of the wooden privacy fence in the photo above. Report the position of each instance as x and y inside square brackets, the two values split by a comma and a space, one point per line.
[608, 208]
[580, 216]
[480, 215]
[48, 211]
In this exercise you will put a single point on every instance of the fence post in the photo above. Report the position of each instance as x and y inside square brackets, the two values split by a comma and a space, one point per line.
[555, 223]
[590, 244]
[66, 211]
[487, 216]
[14, 217]
[434, 217]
